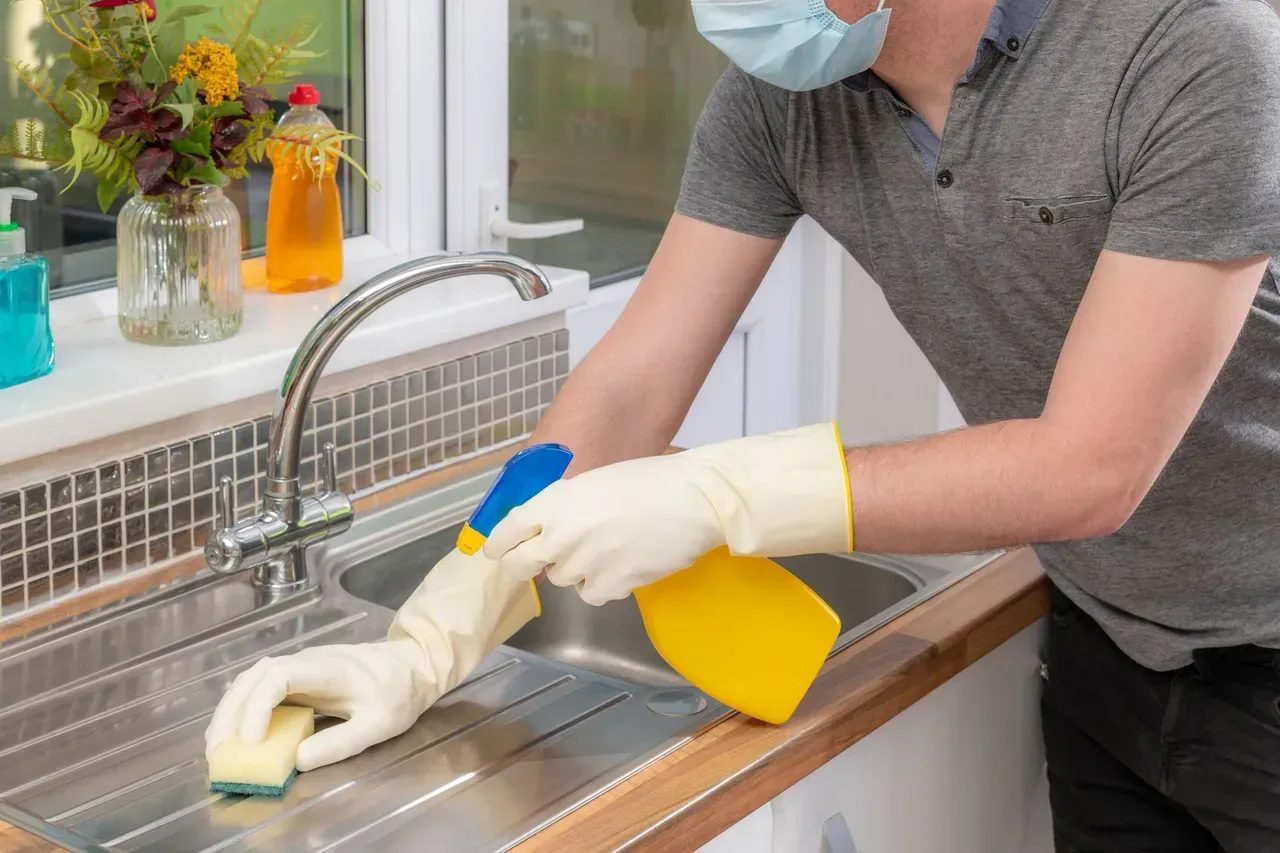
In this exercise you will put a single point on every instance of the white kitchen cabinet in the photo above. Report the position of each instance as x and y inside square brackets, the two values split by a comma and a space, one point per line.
[961, 771]
[751, 835]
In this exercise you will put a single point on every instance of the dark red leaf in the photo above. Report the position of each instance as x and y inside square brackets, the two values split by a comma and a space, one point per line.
[129, 97]
[254, 100]
[164, 92]
[150, 167]
[123, 124]
[228, 136]
[165, 125]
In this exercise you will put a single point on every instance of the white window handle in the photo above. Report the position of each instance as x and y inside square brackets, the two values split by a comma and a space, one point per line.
[496, 228]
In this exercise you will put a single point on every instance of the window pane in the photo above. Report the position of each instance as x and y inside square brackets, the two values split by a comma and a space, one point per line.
[604, 97]
[68, 227]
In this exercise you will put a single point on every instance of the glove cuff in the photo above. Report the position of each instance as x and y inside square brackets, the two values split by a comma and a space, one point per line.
[780, 495]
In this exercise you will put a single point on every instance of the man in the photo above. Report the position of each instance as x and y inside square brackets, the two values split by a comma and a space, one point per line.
[1073, 207]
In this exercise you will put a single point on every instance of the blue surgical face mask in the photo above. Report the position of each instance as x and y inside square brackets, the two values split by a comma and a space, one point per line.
[794, 44]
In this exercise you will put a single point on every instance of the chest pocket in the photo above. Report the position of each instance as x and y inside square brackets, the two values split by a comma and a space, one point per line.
[1052, 244]
[1063, 210]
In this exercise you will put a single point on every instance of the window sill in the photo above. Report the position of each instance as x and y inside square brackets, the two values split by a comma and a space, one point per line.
[104, 385]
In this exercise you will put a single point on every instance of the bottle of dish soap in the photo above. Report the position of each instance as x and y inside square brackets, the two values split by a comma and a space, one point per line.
[304, 212]
[26, 341]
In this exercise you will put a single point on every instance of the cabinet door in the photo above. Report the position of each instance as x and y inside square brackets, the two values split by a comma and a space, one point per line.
[718, 412]
[751, 835]
[959, 771]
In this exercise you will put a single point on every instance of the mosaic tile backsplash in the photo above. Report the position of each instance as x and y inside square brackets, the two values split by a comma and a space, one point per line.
[73, 532]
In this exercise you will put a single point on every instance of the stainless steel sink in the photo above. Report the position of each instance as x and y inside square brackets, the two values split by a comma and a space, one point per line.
[611, 640]
[101, 719]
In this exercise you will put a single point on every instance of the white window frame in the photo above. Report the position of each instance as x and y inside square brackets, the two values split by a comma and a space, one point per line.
[405, 129]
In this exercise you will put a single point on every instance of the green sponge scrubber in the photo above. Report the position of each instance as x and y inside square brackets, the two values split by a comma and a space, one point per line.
[265, 769]
[248, 790]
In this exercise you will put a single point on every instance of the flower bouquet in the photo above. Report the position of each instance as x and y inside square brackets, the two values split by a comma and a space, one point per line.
[144, 110]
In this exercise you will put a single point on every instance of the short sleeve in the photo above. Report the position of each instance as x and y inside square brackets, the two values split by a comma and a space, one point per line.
[735, 176]
[1198, 140]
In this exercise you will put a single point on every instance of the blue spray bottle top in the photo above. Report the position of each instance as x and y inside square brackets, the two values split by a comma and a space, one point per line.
[524, 476]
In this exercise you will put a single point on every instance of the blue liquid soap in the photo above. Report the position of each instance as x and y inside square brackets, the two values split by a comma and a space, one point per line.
[26, 341]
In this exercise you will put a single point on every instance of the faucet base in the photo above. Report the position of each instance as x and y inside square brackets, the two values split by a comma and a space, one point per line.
[284, 574]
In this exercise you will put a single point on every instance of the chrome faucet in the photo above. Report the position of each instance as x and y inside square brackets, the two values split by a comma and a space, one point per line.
[273, 544]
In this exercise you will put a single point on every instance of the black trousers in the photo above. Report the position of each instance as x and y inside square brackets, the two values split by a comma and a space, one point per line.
[1174, 762]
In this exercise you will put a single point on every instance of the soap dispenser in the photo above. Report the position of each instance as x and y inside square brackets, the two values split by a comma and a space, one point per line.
[26, 341]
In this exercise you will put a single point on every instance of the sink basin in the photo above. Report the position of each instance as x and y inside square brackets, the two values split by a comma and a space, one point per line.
[102, 718]
[611, 640]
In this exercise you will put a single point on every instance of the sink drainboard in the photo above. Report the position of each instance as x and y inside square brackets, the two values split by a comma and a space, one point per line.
[102, 719]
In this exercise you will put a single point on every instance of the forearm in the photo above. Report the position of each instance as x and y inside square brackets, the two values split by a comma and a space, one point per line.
[631, 393]
[1000, 485]
[1145, 347]
[602, 416]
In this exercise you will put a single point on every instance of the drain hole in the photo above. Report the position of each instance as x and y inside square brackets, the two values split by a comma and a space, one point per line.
[677, 703]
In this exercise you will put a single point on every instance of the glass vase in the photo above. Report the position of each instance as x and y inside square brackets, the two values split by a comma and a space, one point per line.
[179, 268]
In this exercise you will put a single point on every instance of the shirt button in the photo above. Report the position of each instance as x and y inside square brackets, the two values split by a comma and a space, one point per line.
[1013, 44]
[945, 179]
[1046, 216]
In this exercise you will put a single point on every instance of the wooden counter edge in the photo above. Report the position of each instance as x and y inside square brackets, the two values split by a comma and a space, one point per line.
[14, 840]
[678, 804]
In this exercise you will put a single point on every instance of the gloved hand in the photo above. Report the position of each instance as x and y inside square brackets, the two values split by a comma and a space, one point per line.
[464, 608]
[624, 526]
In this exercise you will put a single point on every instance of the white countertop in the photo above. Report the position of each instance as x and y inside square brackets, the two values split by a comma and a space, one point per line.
[103, 384]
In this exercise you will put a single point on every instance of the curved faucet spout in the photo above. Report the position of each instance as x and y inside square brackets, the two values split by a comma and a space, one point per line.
[273, 544]
[312, 356]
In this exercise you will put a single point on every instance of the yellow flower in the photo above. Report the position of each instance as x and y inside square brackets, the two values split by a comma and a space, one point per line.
[213, 65]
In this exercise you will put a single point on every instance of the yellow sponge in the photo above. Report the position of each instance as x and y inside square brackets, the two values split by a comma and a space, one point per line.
[267, 768]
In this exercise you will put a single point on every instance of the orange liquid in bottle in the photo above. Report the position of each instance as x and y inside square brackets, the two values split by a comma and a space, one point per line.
[304, 228]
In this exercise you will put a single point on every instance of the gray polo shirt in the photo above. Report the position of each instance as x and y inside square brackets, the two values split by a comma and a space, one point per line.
[1150, 127]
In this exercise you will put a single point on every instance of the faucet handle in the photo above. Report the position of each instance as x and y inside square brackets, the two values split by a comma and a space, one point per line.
[226, 500]
[329, 468]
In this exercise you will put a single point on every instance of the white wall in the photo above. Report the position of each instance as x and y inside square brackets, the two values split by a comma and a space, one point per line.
[888, 390]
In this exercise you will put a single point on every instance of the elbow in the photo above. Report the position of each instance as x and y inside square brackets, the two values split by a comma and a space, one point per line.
[1103, 502]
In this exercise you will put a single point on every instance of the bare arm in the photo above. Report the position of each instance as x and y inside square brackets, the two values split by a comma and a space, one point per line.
[629, 396]
[1146, 345]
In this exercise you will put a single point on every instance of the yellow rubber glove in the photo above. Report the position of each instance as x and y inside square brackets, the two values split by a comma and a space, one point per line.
[617, 528]
[464, 609]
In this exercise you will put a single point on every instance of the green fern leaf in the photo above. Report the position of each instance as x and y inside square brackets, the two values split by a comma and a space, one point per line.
[240, 15]
[279, 57]
[314, 147]
[42, 87]
[25, 139]
[110, 163]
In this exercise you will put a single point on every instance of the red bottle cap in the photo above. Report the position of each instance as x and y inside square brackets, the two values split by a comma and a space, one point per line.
[304, 95]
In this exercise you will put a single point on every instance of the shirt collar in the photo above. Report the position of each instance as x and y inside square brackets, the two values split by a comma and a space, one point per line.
[1011, 24]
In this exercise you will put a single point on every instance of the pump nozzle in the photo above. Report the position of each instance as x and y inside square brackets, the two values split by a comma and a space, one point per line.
[13, 240]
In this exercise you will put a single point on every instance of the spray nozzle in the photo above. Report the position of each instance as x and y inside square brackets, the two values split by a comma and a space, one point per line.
[7, 195]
